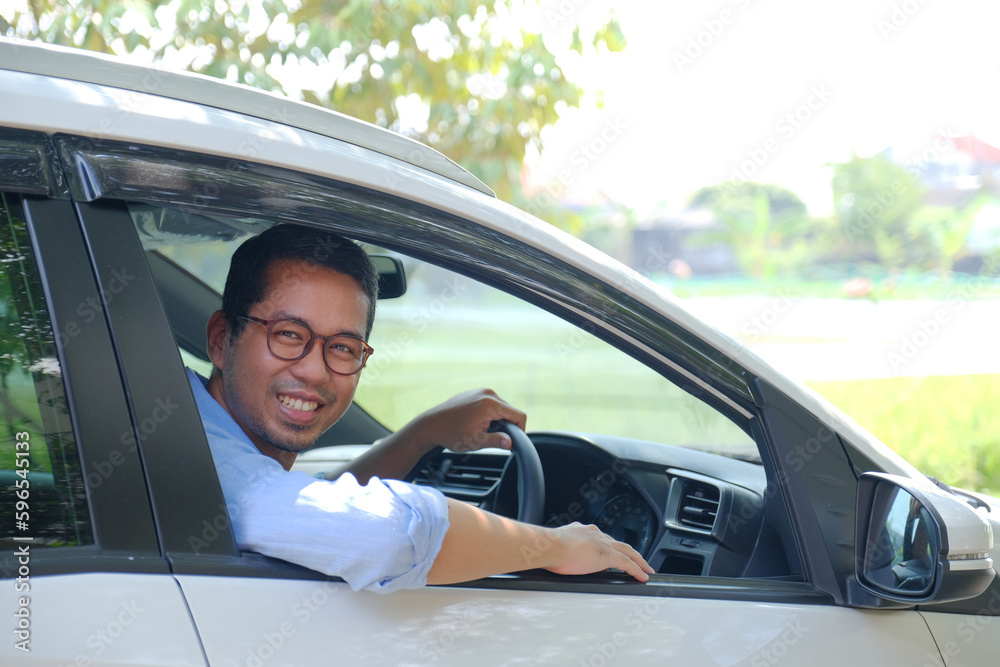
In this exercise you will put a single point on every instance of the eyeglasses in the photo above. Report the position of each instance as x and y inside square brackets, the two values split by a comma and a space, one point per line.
[289, 340]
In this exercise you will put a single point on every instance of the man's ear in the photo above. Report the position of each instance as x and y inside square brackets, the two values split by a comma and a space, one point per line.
[218, 339]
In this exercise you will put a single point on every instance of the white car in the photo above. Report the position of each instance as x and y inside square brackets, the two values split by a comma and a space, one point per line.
[780, 531]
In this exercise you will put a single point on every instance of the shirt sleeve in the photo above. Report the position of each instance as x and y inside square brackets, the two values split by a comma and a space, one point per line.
[382, 536]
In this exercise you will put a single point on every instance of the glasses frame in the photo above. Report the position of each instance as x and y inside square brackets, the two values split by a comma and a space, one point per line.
[369, 350]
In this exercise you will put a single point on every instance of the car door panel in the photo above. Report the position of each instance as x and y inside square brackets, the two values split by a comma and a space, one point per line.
[966, 640]
[273, 621]
[102, 619]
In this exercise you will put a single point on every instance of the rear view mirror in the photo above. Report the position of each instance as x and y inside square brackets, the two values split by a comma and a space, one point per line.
[916, 543]
[391, 277]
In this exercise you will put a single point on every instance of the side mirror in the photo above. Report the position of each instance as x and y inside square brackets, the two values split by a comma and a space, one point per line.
[917, 544]
[391, 277]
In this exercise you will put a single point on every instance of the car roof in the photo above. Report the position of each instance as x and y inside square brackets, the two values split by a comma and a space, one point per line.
[89, 67]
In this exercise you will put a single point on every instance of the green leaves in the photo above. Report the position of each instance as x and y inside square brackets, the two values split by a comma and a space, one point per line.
[463, 76]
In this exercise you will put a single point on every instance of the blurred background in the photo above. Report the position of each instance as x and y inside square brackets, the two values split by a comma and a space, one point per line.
[820, 181]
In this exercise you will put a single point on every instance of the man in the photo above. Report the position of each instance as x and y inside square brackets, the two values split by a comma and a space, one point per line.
[287, 349]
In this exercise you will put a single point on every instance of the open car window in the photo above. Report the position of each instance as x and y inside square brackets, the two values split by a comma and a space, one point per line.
[449, 333]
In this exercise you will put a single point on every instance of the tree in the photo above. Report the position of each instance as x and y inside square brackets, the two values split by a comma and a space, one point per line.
[949, 229]
[764, 224]
[875, 203]
[459, 75]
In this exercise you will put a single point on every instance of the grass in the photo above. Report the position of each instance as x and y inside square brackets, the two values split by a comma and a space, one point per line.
[947, 426]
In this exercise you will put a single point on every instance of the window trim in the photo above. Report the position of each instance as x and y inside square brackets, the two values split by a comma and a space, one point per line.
[96, 400]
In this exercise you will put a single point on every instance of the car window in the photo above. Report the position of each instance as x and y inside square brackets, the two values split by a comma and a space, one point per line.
[41, 483]
[450, 333]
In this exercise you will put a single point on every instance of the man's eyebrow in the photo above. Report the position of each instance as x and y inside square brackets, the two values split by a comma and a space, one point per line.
[285, 315]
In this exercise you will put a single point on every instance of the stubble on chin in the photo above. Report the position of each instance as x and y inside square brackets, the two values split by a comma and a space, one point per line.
[293, 446]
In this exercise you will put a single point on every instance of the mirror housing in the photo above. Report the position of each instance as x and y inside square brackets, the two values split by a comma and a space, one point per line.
[391, 277]
[918, 544]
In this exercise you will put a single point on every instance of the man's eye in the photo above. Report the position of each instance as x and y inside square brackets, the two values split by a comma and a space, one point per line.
[343, 349]
[287, 334]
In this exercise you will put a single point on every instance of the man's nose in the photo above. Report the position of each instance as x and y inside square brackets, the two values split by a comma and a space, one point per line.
[312, 366]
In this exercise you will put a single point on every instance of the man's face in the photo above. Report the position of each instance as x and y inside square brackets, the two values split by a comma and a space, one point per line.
[284, 406]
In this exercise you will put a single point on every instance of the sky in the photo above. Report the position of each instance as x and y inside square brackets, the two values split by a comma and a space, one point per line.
[766, 90]
[769, 90]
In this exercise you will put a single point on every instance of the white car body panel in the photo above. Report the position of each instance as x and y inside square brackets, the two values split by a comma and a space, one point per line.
[72, 64]
[967, 640]
[93, 620]
[461, 627]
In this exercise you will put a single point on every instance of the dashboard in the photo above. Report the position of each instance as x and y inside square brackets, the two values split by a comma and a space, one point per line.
[687, 512]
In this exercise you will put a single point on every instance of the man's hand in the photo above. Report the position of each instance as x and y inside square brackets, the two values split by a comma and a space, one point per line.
[462, 424]
[479, 544]
[589, 550]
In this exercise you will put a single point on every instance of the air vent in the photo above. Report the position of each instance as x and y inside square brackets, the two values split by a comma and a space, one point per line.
[477, 476]
[699, 505]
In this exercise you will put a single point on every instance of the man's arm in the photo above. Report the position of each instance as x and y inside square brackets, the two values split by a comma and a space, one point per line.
[460, 424]
[480, 544]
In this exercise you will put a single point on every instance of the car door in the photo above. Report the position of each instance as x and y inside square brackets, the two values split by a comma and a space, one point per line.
[251, 610]
[84, 582]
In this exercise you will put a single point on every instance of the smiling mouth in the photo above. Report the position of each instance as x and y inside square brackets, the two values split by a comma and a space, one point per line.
[298, 404]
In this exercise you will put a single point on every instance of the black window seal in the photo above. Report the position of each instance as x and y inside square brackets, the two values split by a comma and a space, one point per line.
[190, 511]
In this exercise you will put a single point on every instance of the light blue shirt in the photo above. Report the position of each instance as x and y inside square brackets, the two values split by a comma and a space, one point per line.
[383, 536]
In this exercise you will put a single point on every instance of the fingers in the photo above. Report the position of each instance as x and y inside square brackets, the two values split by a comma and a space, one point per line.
[492, 408]
[481, 408]
[633, 563]
[481, 440]
[590, 550]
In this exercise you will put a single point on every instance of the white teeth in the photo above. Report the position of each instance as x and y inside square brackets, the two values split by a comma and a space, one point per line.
[298, 404]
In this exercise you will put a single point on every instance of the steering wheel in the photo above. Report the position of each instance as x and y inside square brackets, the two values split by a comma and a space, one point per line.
[530, 479]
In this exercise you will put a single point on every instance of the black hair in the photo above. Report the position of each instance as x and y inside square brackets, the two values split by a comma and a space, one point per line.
[246, 283]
